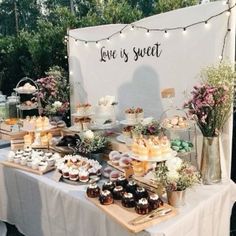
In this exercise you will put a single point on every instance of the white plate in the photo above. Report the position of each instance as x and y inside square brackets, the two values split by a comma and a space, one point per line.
[123, 139]
[106, 126]
[126, 122]
[85, 115]
[154, 159]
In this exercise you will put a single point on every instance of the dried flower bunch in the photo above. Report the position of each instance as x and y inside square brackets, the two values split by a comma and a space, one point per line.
[211, 102]
[91, 142]
[176, 175]
[152, 128]
[54, 92]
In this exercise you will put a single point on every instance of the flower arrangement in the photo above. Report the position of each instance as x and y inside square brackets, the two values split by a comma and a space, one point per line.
[54, 92]
[176, 175]
[147, 128]
[91, 142]
[212, 100]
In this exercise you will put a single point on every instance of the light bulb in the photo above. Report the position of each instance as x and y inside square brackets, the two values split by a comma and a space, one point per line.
[228, 13]
[166, 34]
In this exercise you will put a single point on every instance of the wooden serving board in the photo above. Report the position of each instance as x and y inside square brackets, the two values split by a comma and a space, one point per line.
[124, 215]
[26, 168]
[62, 150]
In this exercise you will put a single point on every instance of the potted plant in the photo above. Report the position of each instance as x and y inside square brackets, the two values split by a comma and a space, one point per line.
[176, 176]
[92, 144]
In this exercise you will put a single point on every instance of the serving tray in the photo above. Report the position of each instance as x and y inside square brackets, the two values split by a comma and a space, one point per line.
[26, 168]
[125, 216]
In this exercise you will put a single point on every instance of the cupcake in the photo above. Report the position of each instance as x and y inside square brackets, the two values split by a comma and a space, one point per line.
[128, 200]
[10, 156]
[23, 161]
[131, 187]
[35, 165]
[142, 206]
[74, 174]
[65, 172]
[28, 149]
[121, 181]
[29, 163]
[105, 197]
[109, 185]
[84, 176]
[154, 201]
[140, 192]
[118, 192]
[42, 166]
[93, 191]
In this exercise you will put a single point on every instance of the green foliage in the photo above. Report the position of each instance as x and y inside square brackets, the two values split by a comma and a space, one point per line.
[32, 31]
[168, 5]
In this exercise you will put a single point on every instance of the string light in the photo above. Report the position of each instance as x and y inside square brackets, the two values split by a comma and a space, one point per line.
[166, 34]
[165, 30]
[228, 13]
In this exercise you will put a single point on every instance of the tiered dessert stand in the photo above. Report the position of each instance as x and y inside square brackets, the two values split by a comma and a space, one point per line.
[22, 107]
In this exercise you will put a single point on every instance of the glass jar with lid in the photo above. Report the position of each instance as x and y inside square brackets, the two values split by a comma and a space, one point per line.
[11, 104]
[3, 111]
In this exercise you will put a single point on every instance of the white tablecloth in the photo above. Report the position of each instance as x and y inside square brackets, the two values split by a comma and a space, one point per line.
[38, 206]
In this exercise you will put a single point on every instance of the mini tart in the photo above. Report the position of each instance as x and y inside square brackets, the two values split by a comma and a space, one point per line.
[93, 191]
[121, 181]
[131, 187]
[154, 201]
[109, 185]
[106, 197]
[118, 192]
[140, 192]
[142, 206]
[128, 200]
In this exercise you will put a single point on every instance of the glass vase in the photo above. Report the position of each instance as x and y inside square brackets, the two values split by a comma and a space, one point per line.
[210, 160]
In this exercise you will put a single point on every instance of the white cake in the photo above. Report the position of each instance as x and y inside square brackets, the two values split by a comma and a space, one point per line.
[105, 111]
[105, 115]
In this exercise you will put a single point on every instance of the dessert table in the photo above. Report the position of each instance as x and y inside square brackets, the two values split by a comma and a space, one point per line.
[39, 206]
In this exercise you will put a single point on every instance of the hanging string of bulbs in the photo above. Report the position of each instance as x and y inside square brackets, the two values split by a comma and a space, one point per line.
[148, 30]
[184, 29]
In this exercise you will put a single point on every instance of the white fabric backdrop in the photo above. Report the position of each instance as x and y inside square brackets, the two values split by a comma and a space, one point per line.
[138, 83]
